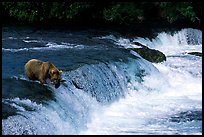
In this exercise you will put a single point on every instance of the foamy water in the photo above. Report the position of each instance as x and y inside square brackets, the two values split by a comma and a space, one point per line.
[48, 46]
[149, 106]
[148, 109]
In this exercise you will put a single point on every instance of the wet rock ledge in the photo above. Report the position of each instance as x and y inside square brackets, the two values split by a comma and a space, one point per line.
[151, 55]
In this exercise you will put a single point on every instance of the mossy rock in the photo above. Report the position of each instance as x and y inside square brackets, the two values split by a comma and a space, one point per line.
[151, 55]
[196, 53]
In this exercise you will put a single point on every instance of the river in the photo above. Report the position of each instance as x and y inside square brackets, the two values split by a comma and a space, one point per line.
[109, 90]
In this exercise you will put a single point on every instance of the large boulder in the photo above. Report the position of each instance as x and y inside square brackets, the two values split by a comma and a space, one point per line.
[151, 55]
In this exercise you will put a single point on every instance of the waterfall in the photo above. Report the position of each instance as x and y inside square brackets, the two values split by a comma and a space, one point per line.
[107, 90]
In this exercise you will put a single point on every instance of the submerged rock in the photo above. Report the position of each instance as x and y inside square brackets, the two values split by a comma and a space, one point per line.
[196, 53]
[151, 55]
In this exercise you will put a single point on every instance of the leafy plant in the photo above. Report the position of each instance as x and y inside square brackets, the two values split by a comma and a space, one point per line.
[117, 12]
[177, 10]
[123, 12]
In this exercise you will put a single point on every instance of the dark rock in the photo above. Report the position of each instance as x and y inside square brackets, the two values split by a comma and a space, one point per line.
[151, 55]
[139, 44]
[76, 85]
[196, 53]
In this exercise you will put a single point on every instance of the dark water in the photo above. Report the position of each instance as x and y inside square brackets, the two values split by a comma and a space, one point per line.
[98, 73]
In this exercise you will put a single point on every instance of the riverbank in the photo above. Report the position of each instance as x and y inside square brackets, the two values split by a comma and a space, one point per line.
[145, 29]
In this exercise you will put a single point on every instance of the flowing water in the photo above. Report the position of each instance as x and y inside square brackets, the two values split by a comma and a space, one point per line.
[108, 89]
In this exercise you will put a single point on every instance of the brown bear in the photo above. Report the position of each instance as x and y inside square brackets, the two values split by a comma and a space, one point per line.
[39, 70]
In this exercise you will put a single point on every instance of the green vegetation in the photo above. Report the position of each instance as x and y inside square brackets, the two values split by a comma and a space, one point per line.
[123, 12]
[113, 12]
[41, 11]
[178, 10]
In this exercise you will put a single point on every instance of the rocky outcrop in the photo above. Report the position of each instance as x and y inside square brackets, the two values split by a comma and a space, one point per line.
[151, 55]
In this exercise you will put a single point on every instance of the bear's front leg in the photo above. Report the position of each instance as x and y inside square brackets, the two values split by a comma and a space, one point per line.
[42, 81]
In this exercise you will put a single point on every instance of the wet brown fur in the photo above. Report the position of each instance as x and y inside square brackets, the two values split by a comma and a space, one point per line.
[38, 70]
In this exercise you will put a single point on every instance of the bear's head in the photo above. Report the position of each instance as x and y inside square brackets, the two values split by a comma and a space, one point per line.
[55, 77]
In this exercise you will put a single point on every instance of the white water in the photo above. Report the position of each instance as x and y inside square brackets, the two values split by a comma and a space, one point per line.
[148, 107]
[183, 41]
[48, 46]
[147, 110]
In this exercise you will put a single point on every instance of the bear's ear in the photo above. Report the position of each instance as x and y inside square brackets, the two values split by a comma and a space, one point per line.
[60, 72]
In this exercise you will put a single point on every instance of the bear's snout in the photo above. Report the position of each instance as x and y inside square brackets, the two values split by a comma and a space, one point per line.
[55, 81]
